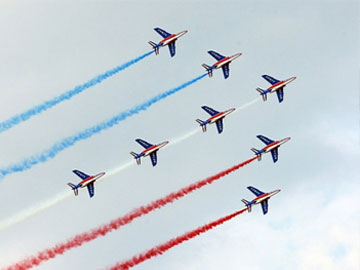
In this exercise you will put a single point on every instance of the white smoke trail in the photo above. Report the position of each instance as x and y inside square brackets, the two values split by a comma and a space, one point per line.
[34, 210]
[120, 168]
[244, 106]
[30, 212]
[184, 136]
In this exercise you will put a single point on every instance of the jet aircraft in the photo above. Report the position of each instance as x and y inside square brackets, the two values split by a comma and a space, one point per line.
[168, 40]
[222, 62]
[276, 86]
[149, 150]
[216, 117]
[261, 198]
[271, 146]
[87, 181]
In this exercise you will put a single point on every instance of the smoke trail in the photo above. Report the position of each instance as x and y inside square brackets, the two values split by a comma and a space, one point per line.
[244, 106]
[54, 150]
[17, 119]
[160, 249]
[85, 237]
[34, 210]
[24, 215]
[183, 137]
[29, 212]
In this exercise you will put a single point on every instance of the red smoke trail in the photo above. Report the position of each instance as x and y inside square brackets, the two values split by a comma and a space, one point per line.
[160, 249]
[102, 230]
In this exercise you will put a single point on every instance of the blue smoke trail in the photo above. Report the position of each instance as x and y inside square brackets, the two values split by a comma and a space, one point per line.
[54, 150]
[17, 119]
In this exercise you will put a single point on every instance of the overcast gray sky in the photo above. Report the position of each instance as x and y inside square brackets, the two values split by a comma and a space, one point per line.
[48, 47]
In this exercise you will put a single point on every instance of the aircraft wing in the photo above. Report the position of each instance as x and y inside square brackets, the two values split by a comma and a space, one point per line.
[143, 143]
[216, 55]
[264, 139]
[280, 94]
[275, 154]
[265, 206]
[153, 158]
[270, 79]
[91, 189]
[209, 110]
[255, 191]
[226, 70]
[219, 125]
[81, 174]
[172, 48]
[162, 33]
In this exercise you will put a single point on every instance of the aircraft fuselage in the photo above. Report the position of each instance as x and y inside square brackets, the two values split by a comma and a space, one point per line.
[90, 179]
[280, 84]
[225, 61]
[264, 197]
[153, 149]
[219, 116]
[274, 145]
[172, 38]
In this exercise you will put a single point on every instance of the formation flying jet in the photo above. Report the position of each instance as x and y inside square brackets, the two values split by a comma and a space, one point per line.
[216, 117]
[222, 62]
[261, 198]
[276, 86]
[169, 40]
[87, 181]
[271, 146]
[149, 150]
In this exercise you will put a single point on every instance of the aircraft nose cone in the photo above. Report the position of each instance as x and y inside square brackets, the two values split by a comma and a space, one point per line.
[287, 139]
[276, 191]
[236, 55]
[100, 174]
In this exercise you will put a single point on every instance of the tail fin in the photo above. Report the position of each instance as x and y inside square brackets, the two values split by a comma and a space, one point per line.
[74, 188]
[155, 47]
[136, 156]
[246, 204]
[262, 93]
[203, 126]
[257, 153]
[208, 69]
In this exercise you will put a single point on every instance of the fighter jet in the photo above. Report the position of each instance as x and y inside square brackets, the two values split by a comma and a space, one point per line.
[216, 117]
[149, 150]
[87, 181]
[271, 146]
[276, 86]
[222, 62]
[169, 40]
[261, 198]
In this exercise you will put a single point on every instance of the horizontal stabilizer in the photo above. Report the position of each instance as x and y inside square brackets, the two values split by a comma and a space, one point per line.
[155, 47]
[74, 188]
[203, 126]
[247, 204]
[137, 157]
[262, 93]
[208, 69]
[257, 153]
